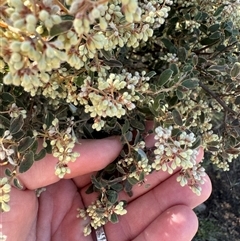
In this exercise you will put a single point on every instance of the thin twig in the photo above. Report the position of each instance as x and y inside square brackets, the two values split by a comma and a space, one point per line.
[223, 50]
[217, 98]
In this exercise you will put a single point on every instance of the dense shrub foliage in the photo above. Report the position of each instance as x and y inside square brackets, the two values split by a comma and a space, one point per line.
[75, 69]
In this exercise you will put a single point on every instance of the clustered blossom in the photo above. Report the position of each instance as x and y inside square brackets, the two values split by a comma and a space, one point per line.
[62, 144]
[139, 161]
[100, 213]
[155, 12]
[170, 58]
[6, 151]
[112, 96]
[34, 60]
[172, 153]
[5, 189]
[15, 111]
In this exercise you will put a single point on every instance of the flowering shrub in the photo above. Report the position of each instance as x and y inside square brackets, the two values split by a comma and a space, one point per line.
[79, 69]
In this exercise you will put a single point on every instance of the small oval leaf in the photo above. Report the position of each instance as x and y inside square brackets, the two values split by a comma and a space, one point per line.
[112, 196]
[61, 28]
[16, 124]
[164, 77]
[190, 83]
[7, 97]
[25, 143]
[4, 121]
[27, 162]
[182, 54]
[113, 218]
[40, 155]
[235, 71]
[17, 184]
[177, 117]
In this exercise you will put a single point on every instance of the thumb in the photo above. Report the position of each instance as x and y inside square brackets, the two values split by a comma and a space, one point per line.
[94, 155]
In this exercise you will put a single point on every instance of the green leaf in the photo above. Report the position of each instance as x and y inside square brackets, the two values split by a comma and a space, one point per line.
[137, 137]
[61, 28]
[142, 154]
[128, 188]
[190, 83]
[19, 135]
[125, 127]
[4, 121]
[112, 196]
[17, 184]
[179, 94]
[90, 189]
[164, 77]
[177, 117]
[137, 124]
[95, 182]
[113, 63]
[237, 101]
[8, 172]
[127, 136]
[208, 41]
[25, 143]
[195, 59]
[219, 10]
[40, 155]
[215, 35]
[169, 45]
[150, 74]
[233, 151]
[235, 71]
[197, 142]
[182, 54]
[218, 68]
[106, 54]
[49, 118]
[27, 162]
[132, 180]
[174, 68]
[16, 124]
[117, 187]
[214, 27]
[79, 80]
[212, 148]
[120, 169]
[187, 68]
[113, 218]
[7, 97]
[87, 132]
[67, 17]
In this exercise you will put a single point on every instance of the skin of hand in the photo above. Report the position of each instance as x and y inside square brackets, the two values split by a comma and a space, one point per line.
[161, 212]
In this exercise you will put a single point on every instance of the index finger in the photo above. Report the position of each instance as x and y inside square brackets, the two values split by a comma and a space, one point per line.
[94, 155]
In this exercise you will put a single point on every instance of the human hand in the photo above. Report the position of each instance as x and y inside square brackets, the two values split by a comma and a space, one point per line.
[161, 212]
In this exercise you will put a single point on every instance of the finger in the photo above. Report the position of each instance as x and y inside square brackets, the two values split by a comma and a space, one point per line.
[94, 155]
[177, 223]
[153, 179]
[20, 222]
[57, 213]
[142, 211]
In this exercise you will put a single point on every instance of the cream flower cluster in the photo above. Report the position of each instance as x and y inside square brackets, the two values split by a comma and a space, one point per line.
[34, 60]
[6, 152]
[155, 12]
[172, 153]
[112, 96]
[62, 144]
[100, 213]
[5, 189]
